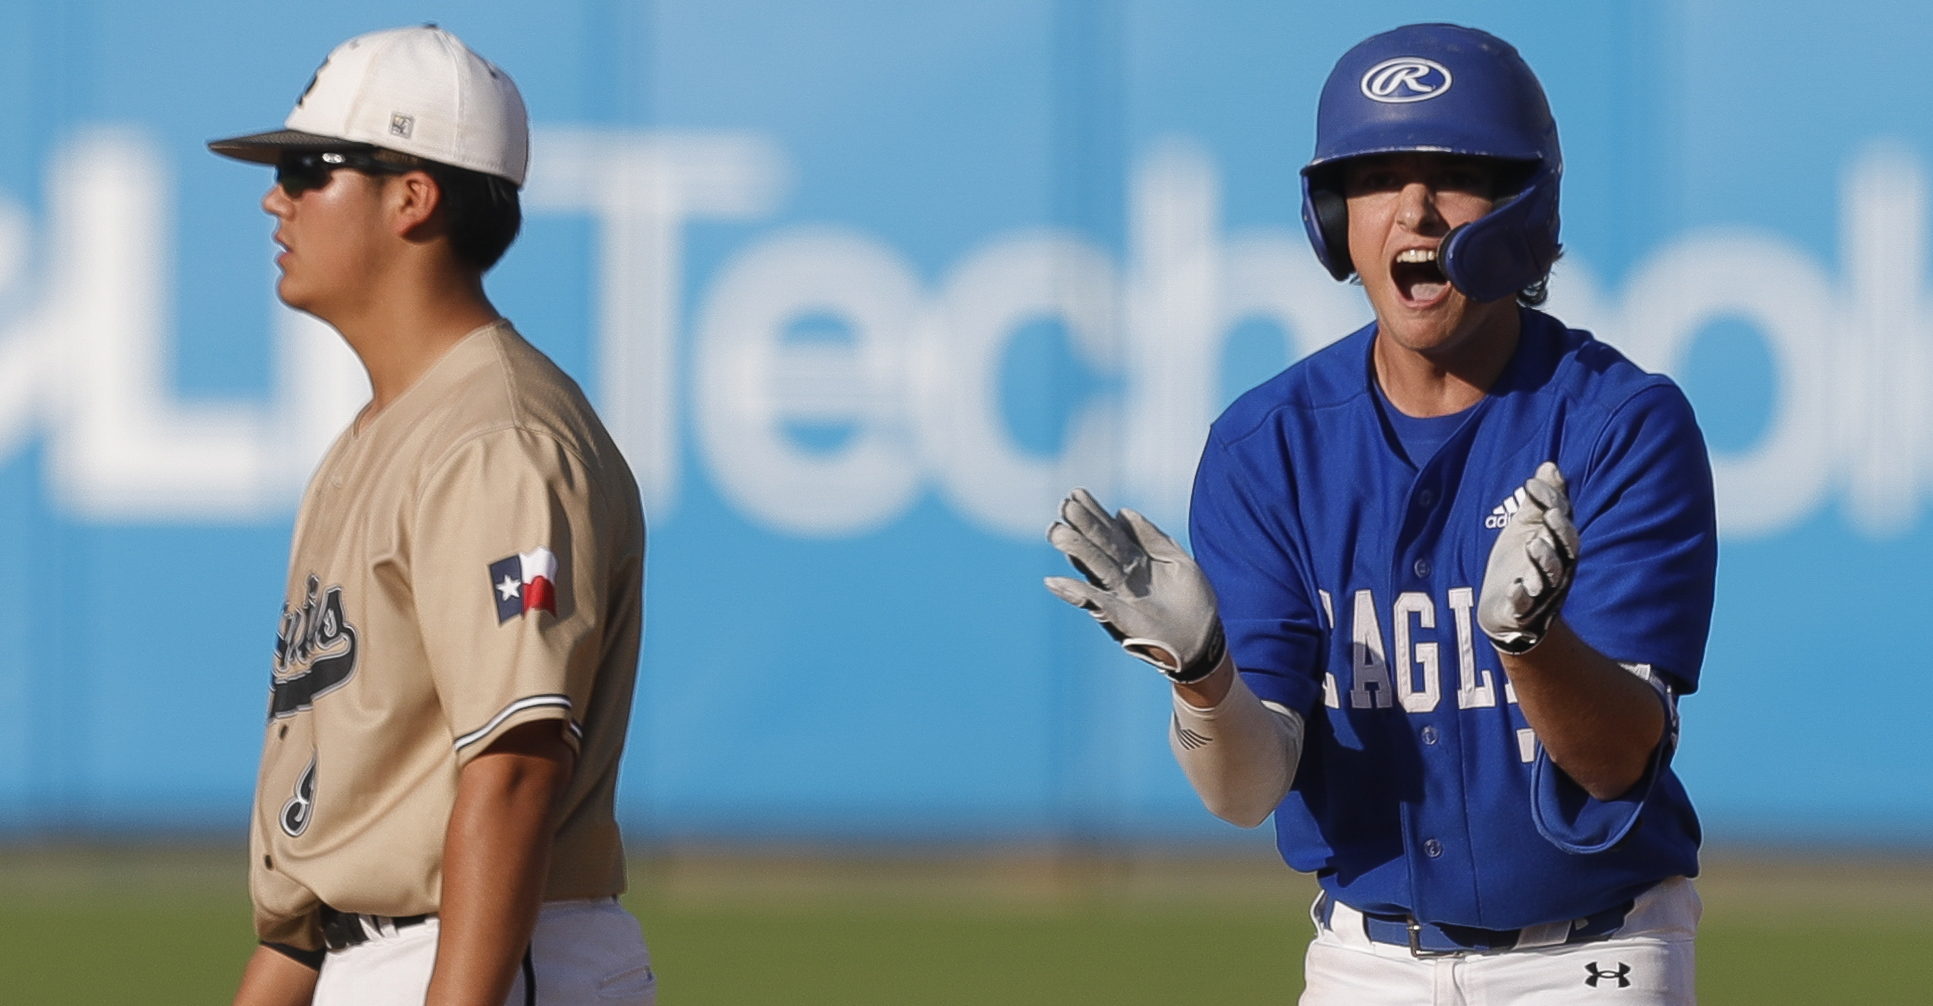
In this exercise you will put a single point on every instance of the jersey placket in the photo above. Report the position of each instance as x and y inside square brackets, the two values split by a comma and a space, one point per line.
[1436, 828]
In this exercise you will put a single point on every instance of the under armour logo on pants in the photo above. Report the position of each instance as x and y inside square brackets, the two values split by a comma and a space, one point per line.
[1597, 973]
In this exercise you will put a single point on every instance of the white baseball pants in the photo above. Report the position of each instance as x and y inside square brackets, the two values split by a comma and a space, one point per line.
[1647, 962]
[583, 953]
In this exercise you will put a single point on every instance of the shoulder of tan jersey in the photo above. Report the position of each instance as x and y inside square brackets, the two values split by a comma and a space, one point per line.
[500, 382]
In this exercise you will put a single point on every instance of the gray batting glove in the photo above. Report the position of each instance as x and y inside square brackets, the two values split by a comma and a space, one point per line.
[1143, 589]
[1531, 564]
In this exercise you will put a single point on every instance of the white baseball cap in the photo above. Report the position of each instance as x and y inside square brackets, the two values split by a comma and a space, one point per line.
[416, 90]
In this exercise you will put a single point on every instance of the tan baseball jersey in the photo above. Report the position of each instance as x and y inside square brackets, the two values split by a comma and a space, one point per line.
[468, 561]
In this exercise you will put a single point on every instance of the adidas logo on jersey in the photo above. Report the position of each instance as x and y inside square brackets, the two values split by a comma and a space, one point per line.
[1501, 514]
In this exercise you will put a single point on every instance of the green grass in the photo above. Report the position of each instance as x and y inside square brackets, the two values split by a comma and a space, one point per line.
[1821, 960]
[172, 927]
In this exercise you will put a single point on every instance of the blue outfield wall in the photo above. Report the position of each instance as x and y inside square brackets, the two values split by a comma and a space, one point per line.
[862, 288]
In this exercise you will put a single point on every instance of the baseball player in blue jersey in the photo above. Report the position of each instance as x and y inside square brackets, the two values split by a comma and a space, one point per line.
[1454, 571]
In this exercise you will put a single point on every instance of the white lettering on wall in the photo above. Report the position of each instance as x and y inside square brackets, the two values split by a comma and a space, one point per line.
[120, 447]
[1046, 276]
[1852, 360]
[20, 345]
[642, 188]
[1883, 386]
[1190, 288]
[752, 381]
[915, 379]
[1776, 288]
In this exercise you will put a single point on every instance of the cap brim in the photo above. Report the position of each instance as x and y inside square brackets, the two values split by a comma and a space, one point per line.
[268, 148]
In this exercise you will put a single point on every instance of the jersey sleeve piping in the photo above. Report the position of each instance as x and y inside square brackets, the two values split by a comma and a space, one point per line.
[1580, 824]
[528, 702]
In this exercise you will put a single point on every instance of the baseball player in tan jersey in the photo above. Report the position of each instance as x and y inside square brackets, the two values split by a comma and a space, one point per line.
[459, 640]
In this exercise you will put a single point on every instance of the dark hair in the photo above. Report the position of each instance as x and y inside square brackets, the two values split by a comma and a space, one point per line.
[1536, 293]
[480, 212]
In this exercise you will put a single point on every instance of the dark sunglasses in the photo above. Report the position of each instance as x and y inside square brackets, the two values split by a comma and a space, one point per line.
[300, 171]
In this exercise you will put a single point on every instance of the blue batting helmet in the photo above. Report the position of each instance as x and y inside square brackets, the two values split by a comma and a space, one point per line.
[1442, 88]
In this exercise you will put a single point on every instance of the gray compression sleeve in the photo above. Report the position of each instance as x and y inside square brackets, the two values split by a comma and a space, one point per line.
[1240, 755]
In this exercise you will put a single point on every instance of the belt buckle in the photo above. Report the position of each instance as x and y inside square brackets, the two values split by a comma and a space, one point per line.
[1416, 948]
[342, 930]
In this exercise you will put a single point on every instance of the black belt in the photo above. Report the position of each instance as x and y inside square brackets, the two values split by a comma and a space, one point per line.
[341, 930]
[346, 929]
[1430, 939]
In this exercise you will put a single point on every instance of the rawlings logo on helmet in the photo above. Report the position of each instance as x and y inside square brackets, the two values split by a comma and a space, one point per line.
[1405, 79]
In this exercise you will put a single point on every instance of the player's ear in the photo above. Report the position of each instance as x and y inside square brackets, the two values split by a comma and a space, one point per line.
[413, 199]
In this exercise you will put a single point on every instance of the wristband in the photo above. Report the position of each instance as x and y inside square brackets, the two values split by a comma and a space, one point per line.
[1213, 650]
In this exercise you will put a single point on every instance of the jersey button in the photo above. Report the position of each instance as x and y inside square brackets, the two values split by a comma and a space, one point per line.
[1422, 567]
[1432, 848]
[1429, 735]
[1426, 497]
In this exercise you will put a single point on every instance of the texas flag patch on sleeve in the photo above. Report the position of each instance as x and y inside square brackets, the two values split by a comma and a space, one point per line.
[524, 582]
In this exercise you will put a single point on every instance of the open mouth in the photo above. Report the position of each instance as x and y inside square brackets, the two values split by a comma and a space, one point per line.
[1418, 277]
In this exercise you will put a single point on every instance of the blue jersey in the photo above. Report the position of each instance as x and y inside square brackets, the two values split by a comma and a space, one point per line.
[1348, 580]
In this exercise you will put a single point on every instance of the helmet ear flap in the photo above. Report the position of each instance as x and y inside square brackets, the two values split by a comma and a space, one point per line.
[1325, 214]
[1507, 249]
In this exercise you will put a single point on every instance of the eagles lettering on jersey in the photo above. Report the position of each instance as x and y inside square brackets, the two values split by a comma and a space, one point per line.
[315, 651]
[1409, 676]
[1417, 668]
